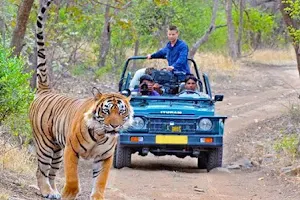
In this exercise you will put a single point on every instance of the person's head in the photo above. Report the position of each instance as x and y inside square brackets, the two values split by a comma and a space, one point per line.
[149, 70]
[146, 83]
[173, 34]
[191, 83]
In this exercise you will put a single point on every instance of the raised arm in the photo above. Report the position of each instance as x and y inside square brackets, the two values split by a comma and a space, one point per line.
[160, 54]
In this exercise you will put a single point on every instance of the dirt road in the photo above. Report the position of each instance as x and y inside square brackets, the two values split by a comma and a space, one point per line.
[253, 95]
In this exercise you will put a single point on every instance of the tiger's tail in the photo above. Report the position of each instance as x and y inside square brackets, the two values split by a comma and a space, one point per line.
[43, 78]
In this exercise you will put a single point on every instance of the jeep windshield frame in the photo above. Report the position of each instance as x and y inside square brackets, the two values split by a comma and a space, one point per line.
[203, 84]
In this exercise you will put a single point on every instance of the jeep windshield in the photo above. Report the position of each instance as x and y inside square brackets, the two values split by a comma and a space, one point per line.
[171, 83]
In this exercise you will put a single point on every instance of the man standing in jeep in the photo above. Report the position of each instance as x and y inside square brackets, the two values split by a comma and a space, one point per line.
[176, 51]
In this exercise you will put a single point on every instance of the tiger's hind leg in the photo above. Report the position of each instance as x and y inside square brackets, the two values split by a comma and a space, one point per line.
[45, 155]
[55, 165]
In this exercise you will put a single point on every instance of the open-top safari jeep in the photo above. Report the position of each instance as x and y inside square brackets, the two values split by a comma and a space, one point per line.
[172, 124]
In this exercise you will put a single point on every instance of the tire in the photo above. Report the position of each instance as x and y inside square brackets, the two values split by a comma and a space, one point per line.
[122, 157]
[214, 158]
[202, 161]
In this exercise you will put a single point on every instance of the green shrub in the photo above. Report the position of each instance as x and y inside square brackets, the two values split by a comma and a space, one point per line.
[288, 145]
[15, 93]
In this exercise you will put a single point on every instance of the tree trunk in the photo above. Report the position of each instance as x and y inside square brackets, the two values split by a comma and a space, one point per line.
[231, 37]
[33, 65]
[20, 29]
[297, 51]
[136, 52]
[210, 30]
[106, 33]
[240, 33]
[105, 37]
[293, 23]
[2, 30]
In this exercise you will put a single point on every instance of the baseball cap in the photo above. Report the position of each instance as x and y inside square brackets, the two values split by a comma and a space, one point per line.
[146, 77]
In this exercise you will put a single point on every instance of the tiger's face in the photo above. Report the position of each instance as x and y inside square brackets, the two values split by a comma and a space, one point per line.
[111, 113]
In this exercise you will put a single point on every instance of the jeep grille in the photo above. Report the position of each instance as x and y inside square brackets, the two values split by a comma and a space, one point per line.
[165, 125]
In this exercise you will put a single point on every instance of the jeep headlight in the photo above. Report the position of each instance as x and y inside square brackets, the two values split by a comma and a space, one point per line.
[205, 124]
[138, 123]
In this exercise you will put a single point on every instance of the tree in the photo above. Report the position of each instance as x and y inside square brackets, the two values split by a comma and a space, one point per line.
[240, 32]
[105, 39]
[210, 30]
[231, 33]
[290, 10]
[20, 29]
[105, 36]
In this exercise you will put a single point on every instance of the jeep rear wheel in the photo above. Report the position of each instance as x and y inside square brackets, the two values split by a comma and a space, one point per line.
[214, 158]
[122, 157]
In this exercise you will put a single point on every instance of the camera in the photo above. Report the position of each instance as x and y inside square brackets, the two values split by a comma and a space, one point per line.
[144, 89]
[168, 80]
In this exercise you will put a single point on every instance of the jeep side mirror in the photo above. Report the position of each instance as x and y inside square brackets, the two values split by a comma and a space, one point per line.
[219, 97]
[126, 92]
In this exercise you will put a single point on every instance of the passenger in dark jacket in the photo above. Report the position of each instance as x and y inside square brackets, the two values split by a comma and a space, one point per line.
[146, 86]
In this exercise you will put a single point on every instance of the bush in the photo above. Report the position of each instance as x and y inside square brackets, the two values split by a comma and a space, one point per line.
[15, 93]
[288, 144]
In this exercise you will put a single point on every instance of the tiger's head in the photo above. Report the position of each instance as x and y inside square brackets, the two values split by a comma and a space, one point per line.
[110, 113]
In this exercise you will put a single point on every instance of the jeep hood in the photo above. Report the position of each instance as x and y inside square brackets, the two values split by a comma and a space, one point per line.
[174, 106]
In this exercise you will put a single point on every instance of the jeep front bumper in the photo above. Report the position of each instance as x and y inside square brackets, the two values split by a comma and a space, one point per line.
[140, 140]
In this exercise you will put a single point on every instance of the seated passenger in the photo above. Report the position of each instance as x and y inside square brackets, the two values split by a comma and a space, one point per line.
[191, 83]
[146, 86]
[191, 88]
[138, 74]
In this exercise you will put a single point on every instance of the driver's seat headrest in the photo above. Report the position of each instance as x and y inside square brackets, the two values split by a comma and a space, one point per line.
[181, 87]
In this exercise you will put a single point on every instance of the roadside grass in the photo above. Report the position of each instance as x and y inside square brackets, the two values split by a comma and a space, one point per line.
[272, 56]
[15, 157]
[215, 62]
[288, 144]
[4, 196]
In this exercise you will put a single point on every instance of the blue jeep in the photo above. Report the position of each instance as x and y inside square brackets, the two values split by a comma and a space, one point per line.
[174, 123]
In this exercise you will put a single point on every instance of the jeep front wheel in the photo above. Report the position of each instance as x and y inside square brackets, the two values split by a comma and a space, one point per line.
[214, 158]
[122, 157]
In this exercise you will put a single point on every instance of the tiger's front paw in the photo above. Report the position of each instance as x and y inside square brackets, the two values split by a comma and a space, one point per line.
[49, 193]
[97, 196]
[52, 196]
[70, 192]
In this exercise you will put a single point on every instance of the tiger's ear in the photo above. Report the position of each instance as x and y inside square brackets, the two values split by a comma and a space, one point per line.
[97, 94]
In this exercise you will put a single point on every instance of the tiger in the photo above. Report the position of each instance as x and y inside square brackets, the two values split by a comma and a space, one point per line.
[65, 129]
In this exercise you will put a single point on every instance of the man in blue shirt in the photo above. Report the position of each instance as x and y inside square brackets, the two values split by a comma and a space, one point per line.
[176, 51]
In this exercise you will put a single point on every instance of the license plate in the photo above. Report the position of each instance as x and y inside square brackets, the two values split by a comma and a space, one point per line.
[176, 128]
[171, 139]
